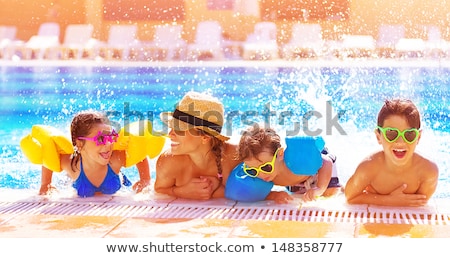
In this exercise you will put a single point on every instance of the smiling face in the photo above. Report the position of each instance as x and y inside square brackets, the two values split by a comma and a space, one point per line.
[265, 164]
[398, 152]
[90, 150]
[185, 142]
[257, 147]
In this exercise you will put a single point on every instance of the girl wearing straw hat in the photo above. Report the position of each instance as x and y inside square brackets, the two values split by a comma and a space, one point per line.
[199, 159]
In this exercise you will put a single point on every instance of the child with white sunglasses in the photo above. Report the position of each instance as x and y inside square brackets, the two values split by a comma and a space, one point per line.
[396, 175]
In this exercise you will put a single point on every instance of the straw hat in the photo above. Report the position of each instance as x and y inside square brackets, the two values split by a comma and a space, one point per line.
[197, 110]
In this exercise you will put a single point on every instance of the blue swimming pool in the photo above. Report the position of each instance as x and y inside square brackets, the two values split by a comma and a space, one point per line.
[338, 103]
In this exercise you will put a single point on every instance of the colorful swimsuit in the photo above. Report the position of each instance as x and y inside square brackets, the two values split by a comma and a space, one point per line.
[85, 188]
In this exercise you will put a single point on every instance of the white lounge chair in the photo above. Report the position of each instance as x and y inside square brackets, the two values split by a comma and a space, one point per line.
[208, 42]
[356, 46]
[76, 41]
[409, 47]
[7, 38]
[435, 45]
[388, 37]
[262, 43]
[122, 43]
[306, 41]
[38, 46]
[167, 44]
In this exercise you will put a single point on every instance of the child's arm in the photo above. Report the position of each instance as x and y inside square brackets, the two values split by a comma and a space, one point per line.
[279, 197]
[46, 181]
[395, 198]
[358, 190]
[49, 140]
[323, 179]
[358, 184]
[144, 175]
[429, 184]
[47, 175]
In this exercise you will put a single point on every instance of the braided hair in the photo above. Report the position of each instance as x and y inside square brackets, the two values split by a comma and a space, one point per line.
[216, 149]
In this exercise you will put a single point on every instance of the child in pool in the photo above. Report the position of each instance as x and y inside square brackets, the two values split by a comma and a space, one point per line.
[260, 149]
[395, 176]
[94, 166]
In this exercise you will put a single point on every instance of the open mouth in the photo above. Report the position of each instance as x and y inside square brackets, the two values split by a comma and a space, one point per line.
[105, 155]
[399, 153]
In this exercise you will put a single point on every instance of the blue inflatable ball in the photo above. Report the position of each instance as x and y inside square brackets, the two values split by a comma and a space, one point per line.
[241, 187]
[303, 154]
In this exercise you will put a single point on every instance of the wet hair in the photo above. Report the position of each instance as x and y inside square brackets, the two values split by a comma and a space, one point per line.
[255, 139]
[81, 126]
[400, 107]
[216, 149]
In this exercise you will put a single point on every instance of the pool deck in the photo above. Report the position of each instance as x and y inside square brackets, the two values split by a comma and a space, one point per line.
[24, 214]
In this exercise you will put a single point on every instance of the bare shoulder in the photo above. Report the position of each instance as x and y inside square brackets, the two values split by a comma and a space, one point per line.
[230, 156]
[426, 166]
[364, 173]
[66, 165]
[229, 159]
[371, 163]
[168, 162]
[118, 159]
[230, 150]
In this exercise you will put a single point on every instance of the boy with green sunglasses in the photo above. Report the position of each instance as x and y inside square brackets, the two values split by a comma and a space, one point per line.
[397, 175]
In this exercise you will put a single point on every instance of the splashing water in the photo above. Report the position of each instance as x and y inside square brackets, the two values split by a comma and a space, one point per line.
[338, 103]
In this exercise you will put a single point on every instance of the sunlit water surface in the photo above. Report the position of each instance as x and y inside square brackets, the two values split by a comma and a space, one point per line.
[340, 104]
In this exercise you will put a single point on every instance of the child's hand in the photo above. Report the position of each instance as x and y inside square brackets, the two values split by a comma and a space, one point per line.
[47, 189]
[312, 194]
[140, 185]
[403, 199]
[279, 197]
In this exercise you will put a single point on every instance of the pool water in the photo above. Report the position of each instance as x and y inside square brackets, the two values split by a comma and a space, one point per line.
[338, 103]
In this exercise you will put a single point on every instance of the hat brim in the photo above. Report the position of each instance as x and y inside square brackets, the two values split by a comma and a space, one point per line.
[178, 125]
